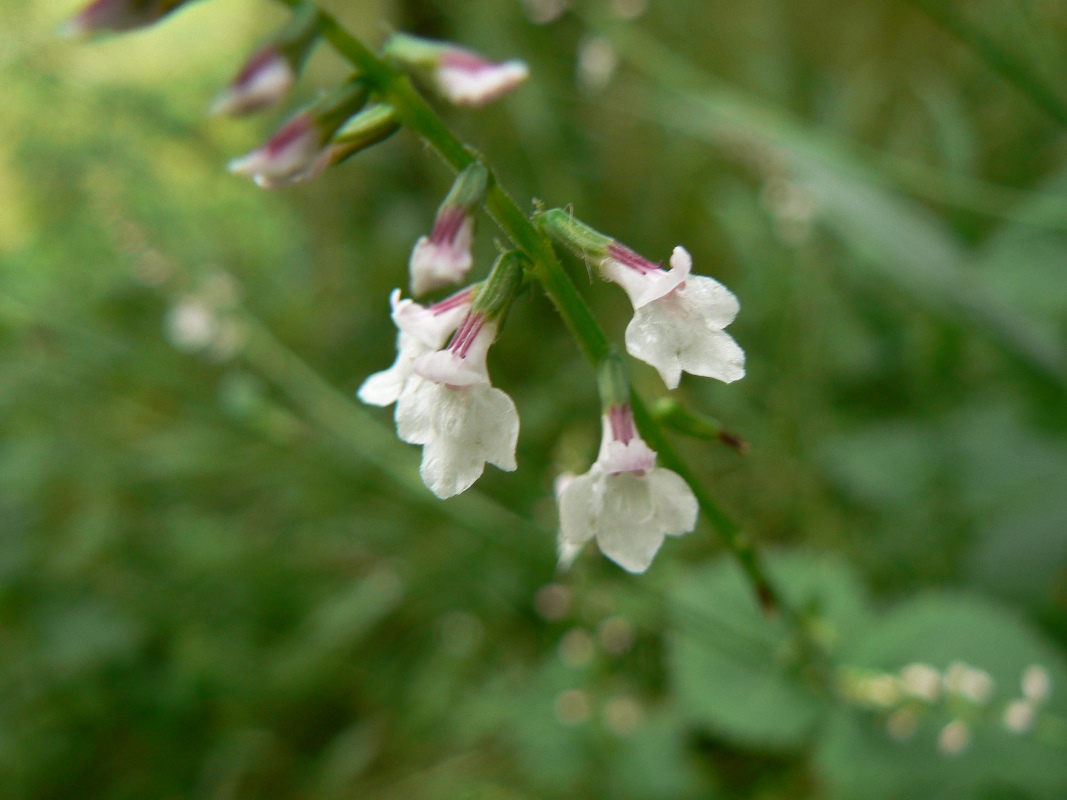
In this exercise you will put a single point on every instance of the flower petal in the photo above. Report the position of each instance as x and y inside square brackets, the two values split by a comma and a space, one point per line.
[626, 532]
[579, 508]
[676, 505]
[683, 331]
[460, 429]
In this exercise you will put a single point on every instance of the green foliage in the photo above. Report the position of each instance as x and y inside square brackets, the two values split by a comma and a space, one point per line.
[220, 578]
[747, 677]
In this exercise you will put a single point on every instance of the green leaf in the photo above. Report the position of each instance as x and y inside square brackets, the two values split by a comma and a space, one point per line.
[737, 672]
[859, 759]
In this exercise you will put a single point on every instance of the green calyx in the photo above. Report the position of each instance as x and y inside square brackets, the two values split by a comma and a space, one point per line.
[576, 236]
[413, 51]
[505, 281]
[468, 190]
[367, 128]
[337, 106]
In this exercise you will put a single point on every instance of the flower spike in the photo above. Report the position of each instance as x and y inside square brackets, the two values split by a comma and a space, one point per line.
[300, 150]
[627, 503]
[460, 76]
[273, 69]
[449, 406]
[445, 257]
[678, 317]
[118, 15]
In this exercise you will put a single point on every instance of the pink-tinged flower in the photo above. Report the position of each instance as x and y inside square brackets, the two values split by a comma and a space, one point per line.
[627, 503]
[301, 150]
[467, 79]
[678, 317]
[420, 330]
[273, 69]
[450, 408]
[459, 75]
[264, 80]
[295, 154]
[444, 257]
[118, 15]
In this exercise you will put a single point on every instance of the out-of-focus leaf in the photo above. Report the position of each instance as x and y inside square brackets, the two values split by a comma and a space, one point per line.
[736, 672]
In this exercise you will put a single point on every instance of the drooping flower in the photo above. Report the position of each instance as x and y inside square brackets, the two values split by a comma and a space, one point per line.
[444, 257]
[467, 79]
[627, 503]
[301, 149]
[678, 317]
[264, 80]
[420, 330]
[273, 69]
[679, 328]
[462, 77]
[118, 15]
[448, 404]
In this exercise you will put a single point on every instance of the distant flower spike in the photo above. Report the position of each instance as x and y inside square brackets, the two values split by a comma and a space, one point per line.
[460, 76]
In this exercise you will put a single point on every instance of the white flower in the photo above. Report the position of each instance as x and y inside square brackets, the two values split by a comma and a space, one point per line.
[444, 257]
[449, 407]
[467, 79]
[295, 154]
[678, 317]
[264, 80]
[624, 500]
[421, 330]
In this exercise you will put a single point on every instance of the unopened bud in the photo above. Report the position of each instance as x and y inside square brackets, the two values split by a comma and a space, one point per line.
[118, 15]
[271, 72]
[444, 257]
[300, 150]
[459, 75]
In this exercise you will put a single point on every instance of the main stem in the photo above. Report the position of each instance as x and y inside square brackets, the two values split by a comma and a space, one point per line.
[412, 110]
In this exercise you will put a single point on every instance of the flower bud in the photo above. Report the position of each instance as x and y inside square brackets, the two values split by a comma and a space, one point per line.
[300, 150]
[118, 15]
[460, 76]
[273, 69]
[444, 257]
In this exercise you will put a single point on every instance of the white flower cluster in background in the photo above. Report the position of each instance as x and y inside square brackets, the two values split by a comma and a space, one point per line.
[963, 694]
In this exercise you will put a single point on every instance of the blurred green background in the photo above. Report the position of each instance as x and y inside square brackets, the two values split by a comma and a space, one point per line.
[221, 578]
